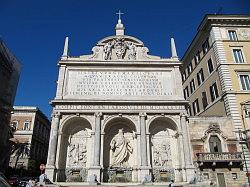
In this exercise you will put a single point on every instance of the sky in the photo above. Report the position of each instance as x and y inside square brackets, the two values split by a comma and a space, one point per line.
[35, 31]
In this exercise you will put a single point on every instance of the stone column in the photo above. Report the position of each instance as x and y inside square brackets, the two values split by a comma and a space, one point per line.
[144, 169]
[187, 148]
[97, 144]
[144, 159]
[50, 168]
[95, 170]
[181, 174]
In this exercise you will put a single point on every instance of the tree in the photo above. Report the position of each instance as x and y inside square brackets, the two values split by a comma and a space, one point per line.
[21, 150]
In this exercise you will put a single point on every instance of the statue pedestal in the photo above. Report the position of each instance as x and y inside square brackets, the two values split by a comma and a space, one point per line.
[144, 173]
[94, 173]
[119, 175]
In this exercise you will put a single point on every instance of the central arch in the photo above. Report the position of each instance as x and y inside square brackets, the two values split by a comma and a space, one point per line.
[119, 134]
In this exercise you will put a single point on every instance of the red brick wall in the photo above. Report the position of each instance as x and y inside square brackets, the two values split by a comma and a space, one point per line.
[21, 120]
[232, 148]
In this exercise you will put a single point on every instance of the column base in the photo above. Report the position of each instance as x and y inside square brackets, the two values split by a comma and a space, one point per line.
[145, 176]
[50, 171]
[94, 174]
[179, 175]
[190, 173]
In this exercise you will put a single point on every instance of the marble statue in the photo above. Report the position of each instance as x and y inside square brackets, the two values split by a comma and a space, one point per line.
[120, 149]
[108, 51]
[132, 51]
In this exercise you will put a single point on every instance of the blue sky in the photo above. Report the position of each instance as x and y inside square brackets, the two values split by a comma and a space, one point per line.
[35, 31]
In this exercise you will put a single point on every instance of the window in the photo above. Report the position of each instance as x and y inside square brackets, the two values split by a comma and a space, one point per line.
[190, 68]
[189, 111]
[184, 76]
[232, 35]
[204, 99]
[215, 144]
[197, 57]
[205, 46]
[192, 86]
[238, 56]
[245, 81]
[214, 92]
[234, 176]
[26, 126]
[186, 92]
[200, 76]
[196, 108]
[210, 66]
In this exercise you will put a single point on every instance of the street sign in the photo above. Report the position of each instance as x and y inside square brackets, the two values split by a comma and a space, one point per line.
[42, 167]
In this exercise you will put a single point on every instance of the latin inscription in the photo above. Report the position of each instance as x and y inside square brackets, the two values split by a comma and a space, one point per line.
[119, 83]
[118, 107]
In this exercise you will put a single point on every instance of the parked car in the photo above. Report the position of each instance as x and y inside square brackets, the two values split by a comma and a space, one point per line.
[3, 181]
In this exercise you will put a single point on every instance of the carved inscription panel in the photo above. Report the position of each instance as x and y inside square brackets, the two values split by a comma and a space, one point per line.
[107, 83]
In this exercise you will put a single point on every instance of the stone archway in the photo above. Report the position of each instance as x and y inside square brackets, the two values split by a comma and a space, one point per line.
[75, 143]
[163, 149]
[119, 150]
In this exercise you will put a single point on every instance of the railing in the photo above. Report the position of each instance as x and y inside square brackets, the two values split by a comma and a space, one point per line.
[220, 157]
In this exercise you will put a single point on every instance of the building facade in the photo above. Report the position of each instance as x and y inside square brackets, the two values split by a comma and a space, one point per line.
[9, 76]
[216, 68]
[216, 82]
[32, 129]
[119, 116]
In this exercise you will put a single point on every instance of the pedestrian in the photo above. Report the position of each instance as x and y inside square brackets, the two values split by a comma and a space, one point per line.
[29, 183]
[171, 184]
[42, 179]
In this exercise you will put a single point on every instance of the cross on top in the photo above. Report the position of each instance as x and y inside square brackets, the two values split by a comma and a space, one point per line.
[119, 14]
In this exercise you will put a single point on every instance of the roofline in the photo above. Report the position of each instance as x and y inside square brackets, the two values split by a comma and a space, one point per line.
[31, 109]
[204, 21]
[11, 55]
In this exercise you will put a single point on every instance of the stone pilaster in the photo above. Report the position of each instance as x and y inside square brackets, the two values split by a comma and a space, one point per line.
[187, 149]
[96, 168]
[144, 169]
[60, 82]
[50, 168]
[181, 171]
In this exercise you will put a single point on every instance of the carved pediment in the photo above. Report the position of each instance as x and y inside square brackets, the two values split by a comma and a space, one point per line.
[213, 128]
[125, 48]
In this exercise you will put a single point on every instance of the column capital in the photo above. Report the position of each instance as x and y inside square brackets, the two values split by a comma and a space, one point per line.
[98, 114]
[55, 114]
[183, 115]
[142, 114]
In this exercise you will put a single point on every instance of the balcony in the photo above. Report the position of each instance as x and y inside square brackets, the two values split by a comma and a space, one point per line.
[220, 160]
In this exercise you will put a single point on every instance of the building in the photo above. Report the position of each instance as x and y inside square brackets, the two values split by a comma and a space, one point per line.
[119, 116]
[216, 82]
[9, 76]
[32, 129]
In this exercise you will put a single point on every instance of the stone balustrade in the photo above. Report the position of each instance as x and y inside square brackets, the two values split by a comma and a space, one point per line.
[220, 157]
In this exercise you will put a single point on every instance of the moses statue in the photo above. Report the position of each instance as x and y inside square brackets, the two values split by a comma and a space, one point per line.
[120, 149]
